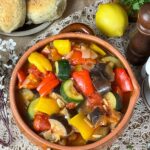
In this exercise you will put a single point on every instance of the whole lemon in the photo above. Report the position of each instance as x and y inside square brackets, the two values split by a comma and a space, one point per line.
[111, 19]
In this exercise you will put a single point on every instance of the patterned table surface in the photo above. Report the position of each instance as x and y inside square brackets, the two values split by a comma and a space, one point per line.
[137, 134]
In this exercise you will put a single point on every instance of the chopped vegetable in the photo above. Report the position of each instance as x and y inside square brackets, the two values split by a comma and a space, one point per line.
[41, 122]
[51, 53]
[54, 55]
[114, 118]
[97, 49]
[26, 95]
[63, 69]
[59, 125]
[47, 105]
[40, 61]
[31, 109]
[31, 82]
[103, 70]
[117, 89]
[87, 52]
[69, 92]
[46, 50]
[114, 60]
[63, 46]
[84, 82]
[48, 83]
[99, 133]
[101, 84]
[95, 100]
[34, 70]
[82, 126]
[77, 59]
[123, 80]
[21, 77]
[113, 100]
[71, 105]
[95, 115]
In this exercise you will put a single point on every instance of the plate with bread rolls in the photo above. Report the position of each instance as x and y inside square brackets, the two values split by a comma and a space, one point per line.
[26, 17]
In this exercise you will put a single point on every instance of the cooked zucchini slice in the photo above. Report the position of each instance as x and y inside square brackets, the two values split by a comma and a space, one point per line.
[69, 92]
[114, 60]
[63, 69]
[31, 109]
[114, 100]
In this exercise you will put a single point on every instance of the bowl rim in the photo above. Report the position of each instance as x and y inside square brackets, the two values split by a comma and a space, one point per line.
[91, 38]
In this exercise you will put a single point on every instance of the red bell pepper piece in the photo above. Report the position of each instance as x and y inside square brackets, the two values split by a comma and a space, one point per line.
[21, 77]
[117, 89]
[84, 82]
[123, 80]
[48, 83]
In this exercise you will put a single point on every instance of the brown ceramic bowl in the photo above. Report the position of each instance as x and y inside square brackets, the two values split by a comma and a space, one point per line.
[16, 107]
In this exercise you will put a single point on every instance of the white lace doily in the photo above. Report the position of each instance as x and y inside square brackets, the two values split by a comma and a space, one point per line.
[137, 134]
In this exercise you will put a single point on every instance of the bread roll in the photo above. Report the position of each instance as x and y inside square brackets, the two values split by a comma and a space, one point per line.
[39, 11]
[12, 14]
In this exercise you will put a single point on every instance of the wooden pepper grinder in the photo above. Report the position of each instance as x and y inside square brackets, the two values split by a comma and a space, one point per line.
[139, 46]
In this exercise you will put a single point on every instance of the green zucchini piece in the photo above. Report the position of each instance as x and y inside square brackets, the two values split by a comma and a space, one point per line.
[114, 60]
[114, 100]
[63, 69]
[31, 109]
[69, 92]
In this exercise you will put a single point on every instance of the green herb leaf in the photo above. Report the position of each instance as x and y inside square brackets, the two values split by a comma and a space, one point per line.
[136, 6]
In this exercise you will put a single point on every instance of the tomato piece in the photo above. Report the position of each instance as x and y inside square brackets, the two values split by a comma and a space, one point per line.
[31, 82]
[95, 100]
[76, 59]
[70, 105]
[123, 80]
[41, 122]
[33, 70]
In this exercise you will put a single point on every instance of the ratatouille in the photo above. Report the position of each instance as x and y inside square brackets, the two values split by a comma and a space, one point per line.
[73, 92]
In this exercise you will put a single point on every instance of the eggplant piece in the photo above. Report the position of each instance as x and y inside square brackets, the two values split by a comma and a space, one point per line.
[104, 70]
[95, 115]
[60, 125]
[101, 84]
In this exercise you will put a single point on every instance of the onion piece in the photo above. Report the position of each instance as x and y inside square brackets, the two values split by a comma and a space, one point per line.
[88, 53]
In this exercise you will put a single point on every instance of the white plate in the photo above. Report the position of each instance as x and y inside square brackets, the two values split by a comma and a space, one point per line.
[28, 29]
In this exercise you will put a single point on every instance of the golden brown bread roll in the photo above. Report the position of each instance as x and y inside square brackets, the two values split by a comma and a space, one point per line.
[12, 14]
[39, 11]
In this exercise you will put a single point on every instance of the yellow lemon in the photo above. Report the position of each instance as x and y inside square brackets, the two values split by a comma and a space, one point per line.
[111, 19]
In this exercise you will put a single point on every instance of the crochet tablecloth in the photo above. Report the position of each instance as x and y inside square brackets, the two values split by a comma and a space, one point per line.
[137, 134]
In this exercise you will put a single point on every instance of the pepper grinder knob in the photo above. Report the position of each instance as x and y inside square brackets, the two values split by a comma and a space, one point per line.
[143, 22]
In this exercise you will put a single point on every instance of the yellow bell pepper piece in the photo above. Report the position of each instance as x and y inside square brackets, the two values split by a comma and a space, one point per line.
[47, 105]
[63, 46]
[40, 61]
[79, 122]
[97, 49]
